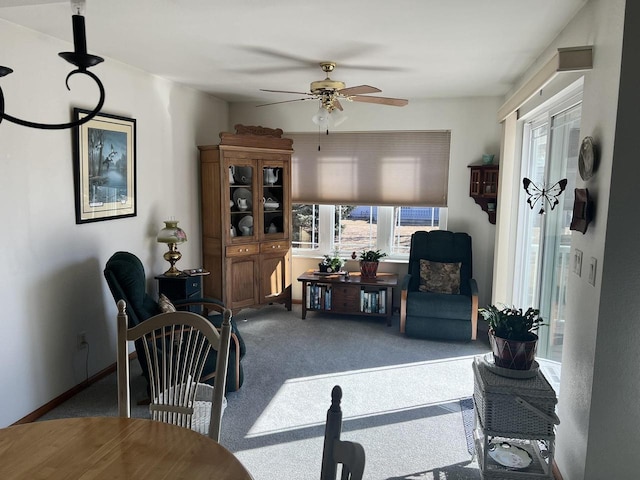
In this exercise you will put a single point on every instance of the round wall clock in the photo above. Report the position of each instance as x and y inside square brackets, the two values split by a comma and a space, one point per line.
[587, 158]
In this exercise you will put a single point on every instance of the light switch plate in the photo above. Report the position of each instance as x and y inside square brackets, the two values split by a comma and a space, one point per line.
[577, 262]
[593, 266]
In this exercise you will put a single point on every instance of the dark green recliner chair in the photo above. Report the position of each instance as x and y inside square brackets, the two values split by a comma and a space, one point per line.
[125, 276]
[433, 311]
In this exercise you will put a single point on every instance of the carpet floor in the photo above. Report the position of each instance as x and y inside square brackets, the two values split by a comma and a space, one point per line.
[403, 398]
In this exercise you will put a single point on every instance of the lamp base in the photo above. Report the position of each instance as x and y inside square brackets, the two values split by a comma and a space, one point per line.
[172, 256]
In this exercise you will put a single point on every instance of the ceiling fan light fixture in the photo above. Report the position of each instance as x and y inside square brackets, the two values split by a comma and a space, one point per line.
[338, 117]
[322, 117]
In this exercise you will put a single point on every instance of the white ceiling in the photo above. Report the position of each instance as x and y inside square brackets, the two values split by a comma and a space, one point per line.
[232, 48]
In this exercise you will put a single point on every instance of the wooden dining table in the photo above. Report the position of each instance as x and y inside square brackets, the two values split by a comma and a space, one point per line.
[113, 448]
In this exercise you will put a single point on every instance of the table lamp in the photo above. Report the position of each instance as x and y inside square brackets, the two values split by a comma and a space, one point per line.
[172, 235]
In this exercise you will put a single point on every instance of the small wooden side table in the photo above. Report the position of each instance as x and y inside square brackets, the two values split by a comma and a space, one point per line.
[348, 294]
[182, 287]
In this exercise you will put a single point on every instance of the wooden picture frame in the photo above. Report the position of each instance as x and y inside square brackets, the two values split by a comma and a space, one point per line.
[104, 167]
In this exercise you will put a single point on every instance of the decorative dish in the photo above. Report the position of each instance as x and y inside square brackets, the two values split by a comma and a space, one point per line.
[271, 204]
[586, 158]
[242, 193]
[245, 225]
[509, 455]
[243, 175]
[246, 222]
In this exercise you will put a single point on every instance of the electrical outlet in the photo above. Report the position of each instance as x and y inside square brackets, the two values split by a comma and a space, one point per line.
[82, 340]
[577, 262]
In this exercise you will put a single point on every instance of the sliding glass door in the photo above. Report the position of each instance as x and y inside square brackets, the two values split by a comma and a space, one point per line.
[550, 153]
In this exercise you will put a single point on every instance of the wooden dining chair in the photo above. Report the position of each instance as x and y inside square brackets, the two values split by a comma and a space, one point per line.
[178, 346]
[350, 455]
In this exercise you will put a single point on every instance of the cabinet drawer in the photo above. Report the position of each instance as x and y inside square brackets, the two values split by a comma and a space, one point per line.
[193, 287]
[271, 247]
[239, 250]
[345, 299]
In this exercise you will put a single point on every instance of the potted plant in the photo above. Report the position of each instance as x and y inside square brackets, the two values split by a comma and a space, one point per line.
[512, 335]
[369, 260]
[330, 264]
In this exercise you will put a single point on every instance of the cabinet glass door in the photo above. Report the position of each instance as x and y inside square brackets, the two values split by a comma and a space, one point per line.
[241, 201]
[490, 182]
[273, 200]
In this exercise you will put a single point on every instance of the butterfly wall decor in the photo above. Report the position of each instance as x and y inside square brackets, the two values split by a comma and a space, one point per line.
[542, 194]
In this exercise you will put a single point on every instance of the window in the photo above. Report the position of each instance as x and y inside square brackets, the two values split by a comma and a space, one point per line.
[346, 193]
[551, 142]
[322, 229]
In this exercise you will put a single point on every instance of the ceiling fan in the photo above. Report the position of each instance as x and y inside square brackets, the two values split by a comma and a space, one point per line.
[329, 92]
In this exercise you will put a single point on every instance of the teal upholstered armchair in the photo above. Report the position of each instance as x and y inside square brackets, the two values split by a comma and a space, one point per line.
[125, 276]
[439, 297]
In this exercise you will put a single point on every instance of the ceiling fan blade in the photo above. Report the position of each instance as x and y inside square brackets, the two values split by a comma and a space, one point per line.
[337, 104]
[269, 52]
[285, 101]
[359, 90]
[285, 91]
[341, 57]
[394, 102]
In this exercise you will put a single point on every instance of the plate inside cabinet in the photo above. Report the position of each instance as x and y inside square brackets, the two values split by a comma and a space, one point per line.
[509, 455]
[243, 175]
[244, 194]
[586, 158]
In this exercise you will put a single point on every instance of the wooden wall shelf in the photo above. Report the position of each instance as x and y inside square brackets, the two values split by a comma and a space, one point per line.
[483, 188]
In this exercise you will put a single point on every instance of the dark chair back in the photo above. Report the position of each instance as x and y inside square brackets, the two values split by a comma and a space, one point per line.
[441, 246]
[125, 276]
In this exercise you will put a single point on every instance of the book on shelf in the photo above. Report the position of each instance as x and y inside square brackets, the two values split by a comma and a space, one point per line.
[373, 301]
[318, 296]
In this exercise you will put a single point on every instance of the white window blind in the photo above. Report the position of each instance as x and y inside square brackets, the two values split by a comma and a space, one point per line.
[371, 168]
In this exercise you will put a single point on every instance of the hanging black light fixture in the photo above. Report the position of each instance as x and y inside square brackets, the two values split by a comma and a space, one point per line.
[80, 58]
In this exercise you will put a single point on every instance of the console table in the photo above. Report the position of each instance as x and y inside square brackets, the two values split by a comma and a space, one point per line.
[348, 293]
[515, 422]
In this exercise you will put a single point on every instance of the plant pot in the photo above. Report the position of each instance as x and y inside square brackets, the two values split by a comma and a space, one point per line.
[368, 269]
[513, 354]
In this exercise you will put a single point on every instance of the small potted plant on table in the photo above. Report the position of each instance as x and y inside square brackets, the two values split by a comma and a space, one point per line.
[512, 335]
[369, 260]
[331, 264]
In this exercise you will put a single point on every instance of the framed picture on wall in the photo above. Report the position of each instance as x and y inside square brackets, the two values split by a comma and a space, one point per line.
[104, 167]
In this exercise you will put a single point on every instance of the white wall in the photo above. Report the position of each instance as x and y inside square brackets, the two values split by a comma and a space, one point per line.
[474, 131]
[52, 285]
[600, 424]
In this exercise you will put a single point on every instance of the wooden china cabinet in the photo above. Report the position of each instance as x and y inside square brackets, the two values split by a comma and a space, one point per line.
[246, 217]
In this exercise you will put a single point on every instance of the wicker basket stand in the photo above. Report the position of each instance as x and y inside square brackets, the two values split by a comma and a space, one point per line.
[520, 412]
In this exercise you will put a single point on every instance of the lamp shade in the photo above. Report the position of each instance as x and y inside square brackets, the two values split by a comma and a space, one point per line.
[171, 233]
[321, 118]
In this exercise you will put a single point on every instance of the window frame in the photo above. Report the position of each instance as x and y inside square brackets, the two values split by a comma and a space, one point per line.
[384, 236]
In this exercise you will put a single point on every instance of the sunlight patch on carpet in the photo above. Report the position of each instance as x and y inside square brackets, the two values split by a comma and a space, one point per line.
[400, 391]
